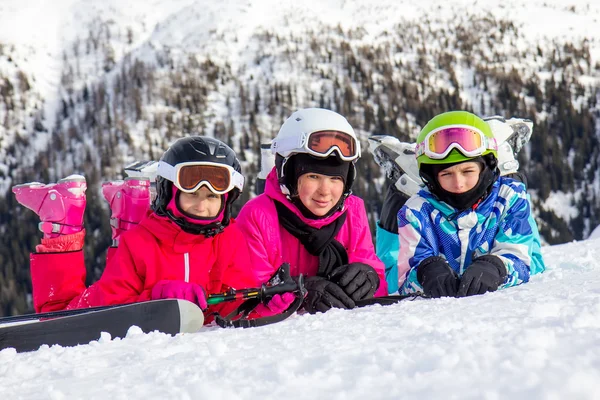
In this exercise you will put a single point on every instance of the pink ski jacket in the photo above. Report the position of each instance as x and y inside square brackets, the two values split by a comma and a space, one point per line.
[157, 249]
[271, 244]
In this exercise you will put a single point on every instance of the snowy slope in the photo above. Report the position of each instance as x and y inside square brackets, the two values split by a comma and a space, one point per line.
[540, 340]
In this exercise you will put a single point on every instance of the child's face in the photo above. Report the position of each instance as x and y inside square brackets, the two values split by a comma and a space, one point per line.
[201, 203]
[459, 178]
[319, 193]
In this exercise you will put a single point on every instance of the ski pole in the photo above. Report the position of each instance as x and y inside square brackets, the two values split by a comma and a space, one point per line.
[284, 284]
[259, 293]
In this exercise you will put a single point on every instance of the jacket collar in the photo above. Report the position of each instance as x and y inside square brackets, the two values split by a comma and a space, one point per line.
[451, 213]
[170, 234]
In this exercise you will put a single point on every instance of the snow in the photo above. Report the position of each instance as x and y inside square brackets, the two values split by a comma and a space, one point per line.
[562, 204]
[540, 340]
[595, 233]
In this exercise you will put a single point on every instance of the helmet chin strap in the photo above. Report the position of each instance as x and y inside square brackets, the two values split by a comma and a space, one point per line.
[209, 230]
[286, 191]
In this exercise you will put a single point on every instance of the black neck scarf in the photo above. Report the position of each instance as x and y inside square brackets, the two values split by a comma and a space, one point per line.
[466, 200]
[318, 242]
[463, 201]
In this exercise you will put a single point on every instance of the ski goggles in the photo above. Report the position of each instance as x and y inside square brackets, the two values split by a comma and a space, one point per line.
[322, 144]
[470, 141]
[190, 176]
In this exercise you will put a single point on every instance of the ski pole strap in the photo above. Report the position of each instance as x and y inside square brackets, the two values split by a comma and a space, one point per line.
[246, 308]
[251, 323]
[387, 300]
[289, 285]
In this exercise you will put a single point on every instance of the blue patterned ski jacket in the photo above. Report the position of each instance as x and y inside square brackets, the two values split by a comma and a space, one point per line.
[501, 225]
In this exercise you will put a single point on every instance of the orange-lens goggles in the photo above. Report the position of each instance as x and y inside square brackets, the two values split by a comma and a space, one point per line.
[323, 142]
[190, 177]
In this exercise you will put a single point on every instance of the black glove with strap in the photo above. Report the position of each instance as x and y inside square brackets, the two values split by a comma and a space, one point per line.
[392, 203]
[324, 294]
[485, 274]
[358, 280]
[437, 278]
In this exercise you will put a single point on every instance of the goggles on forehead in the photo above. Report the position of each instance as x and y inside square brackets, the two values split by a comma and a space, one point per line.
[470, 141]
[190, 176]
[322, 144]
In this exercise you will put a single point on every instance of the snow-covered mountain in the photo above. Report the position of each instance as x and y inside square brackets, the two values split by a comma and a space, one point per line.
[88, 86]
[540, 340]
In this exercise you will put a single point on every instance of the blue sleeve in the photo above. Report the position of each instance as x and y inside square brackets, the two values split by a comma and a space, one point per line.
[417, 242]
[517, 242]
[387, 251]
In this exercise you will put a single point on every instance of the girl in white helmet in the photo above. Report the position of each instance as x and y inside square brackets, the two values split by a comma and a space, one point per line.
[308, 217]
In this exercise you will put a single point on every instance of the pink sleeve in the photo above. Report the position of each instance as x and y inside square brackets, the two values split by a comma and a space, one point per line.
[120, 283]
[364, 251]
[56, 278]
[58, 281]
[254, 223]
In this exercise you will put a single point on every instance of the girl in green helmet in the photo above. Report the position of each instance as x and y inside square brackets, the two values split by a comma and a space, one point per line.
[470, 231]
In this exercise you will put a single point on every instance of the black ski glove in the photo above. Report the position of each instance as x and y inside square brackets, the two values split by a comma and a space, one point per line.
[485, 274]
[358, 280]
[392, 203]
[437, 278]
[323, 294]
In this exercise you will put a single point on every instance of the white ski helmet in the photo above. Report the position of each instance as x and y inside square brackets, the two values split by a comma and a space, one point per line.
[319, 133]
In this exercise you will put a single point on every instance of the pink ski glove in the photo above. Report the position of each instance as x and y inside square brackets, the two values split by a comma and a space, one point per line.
[180, 290]
[278, 304]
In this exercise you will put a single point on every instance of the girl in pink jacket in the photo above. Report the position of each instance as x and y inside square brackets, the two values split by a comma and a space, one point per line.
[187, 247]
[308, 218]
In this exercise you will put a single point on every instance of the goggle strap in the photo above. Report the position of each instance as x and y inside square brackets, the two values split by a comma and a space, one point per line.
[167, 171]
[237, 180]
[297, 142]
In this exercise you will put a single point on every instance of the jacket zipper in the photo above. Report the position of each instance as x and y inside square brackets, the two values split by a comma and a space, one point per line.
[186, 260]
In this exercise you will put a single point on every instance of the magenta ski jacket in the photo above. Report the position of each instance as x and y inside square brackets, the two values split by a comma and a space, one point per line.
[157, 249]
[271, 244]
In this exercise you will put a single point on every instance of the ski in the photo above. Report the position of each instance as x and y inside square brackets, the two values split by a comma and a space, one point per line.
[281, 282]
[168, 316]
[398, 161]
[142, 169]
[511, 135]
[81, 326]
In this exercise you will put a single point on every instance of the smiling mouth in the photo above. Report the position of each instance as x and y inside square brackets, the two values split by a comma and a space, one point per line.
[321, 203]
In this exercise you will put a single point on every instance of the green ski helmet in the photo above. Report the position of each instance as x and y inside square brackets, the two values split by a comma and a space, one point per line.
[481, 131]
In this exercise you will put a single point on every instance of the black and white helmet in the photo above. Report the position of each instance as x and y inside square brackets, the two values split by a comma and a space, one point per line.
[190, 163]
